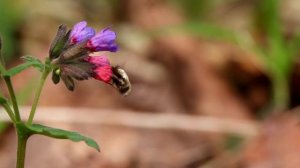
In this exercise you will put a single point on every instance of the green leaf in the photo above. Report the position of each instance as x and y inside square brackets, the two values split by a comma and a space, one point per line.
[56, 133]
[30, 62]
[35, 62]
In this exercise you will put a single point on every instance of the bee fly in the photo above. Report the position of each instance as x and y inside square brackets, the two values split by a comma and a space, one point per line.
[120, 81]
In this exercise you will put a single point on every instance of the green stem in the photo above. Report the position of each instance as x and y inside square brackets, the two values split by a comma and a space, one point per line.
[22, 141]
[13, 97]
[37, 95]
[280, 93]
[2, 65]
[9, 112]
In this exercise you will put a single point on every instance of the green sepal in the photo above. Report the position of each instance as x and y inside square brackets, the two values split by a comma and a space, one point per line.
[59, 42]
[68, 81]
[28, 130]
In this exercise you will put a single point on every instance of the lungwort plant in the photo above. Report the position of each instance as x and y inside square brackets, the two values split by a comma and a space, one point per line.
[69, 60]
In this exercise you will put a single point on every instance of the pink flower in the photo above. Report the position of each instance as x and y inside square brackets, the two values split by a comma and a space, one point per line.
[102, 69]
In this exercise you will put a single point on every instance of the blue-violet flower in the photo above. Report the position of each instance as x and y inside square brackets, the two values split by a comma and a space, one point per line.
[81, 32]
[103, 41]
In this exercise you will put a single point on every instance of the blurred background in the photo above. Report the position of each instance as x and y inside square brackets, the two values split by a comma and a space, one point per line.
[215, 84]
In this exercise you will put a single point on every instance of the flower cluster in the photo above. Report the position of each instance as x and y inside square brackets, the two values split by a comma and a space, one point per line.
[70, 54]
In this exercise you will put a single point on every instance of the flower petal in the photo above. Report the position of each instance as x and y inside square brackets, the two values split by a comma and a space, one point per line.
[81, 32]
[103, 41]
[103, 73]
[98, 60]
[78, 27]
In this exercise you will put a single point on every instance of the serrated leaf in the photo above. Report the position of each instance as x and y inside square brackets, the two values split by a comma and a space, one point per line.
[18, 69]
[35, 62]
[30, 62]
[56, 133]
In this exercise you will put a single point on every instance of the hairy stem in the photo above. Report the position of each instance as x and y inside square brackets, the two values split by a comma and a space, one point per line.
[37, 94]
[13, 97]
[22, 141]
[2, 61]
[9, 112]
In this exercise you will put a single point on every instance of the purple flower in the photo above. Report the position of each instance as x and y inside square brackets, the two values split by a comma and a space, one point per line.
[103, 41]
[81, 32]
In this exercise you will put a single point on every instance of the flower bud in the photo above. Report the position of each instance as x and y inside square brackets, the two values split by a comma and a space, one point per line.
[56, 76]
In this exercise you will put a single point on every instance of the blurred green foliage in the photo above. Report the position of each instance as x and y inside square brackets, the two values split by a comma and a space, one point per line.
[3, 127]
[10, 17]
[277, 53]
[195, 9]
[9, 24]
[233, 142]
[203, 30]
